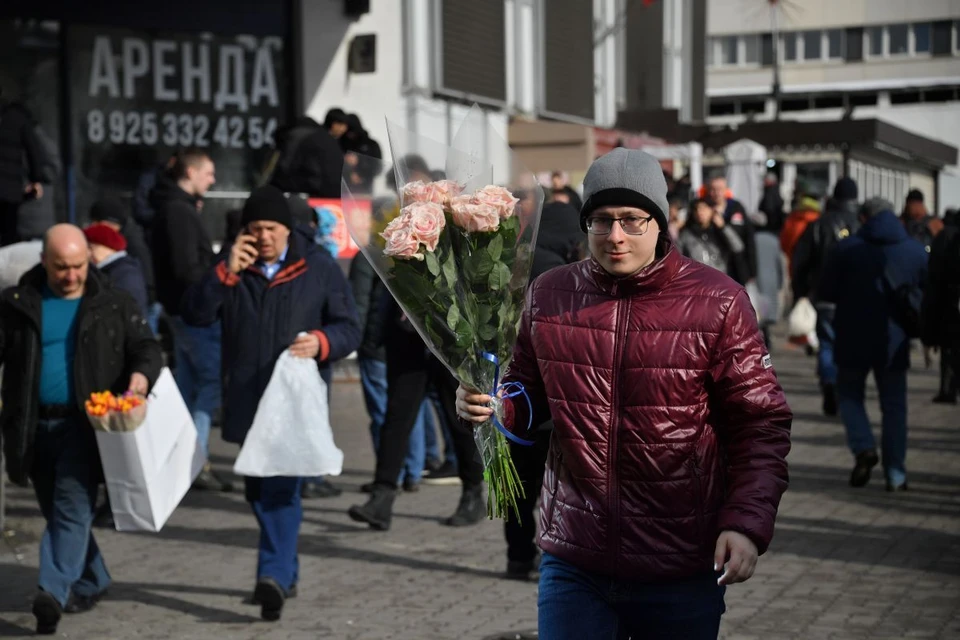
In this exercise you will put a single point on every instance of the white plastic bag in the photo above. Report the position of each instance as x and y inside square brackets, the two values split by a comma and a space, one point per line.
[802, 323]
[291, 434]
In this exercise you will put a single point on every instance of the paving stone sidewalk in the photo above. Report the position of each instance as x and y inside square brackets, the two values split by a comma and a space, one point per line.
[845, 563]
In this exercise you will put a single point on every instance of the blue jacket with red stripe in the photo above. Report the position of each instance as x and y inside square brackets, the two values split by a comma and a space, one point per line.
[261, 318]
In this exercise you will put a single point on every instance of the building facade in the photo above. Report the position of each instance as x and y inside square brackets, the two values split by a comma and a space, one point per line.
[896, 61]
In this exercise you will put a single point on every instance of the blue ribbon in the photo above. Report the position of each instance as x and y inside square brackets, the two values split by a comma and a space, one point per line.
[511, 390]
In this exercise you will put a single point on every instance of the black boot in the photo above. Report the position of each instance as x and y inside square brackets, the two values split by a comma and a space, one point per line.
[270, 597]
[471, 509]
[866, 461]
[378, 510]
[47, 611]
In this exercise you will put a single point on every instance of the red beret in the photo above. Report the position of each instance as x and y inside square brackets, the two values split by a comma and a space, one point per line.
[104, 235]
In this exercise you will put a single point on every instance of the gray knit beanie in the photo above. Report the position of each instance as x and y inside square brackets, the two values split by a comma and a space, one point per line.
[626, 178]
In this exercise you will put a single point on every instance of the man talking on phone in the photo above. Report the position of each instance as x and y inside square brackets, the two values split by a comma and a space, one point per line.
[273, 289]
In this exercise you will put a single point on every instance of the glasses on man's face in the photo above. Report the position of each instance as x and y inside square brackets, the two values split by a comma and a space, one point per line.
[631, 225]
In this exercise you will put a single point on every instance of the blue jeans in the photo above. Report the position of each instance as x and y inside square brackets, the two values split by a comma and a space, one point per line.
[826, 368]
[198, 373]
[574, 604]
[373, 378]
[430, 432]
[154, 312]
[65, 477]
[892, 389]
[276, 504]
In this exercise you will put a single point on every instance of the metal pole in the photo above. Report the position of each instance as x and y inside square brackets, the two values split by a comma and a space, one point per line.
[775, 28]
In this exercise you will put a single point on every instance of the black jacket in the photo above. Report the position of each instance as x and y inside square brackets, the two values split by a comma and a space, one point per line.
[113, 342]
[311, 161]
[124, 273]
[261, 318]
[368, 292]
[771, 204]
[137, 248]
[560, 239]
[182, 252]
[839, 221]
[941, 297]
[18, 139]
[736, 216]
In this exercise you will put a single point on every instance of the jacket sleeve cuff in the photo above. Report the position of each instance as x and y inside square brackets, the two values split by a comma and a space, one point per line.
[324, 345]
[225, 276]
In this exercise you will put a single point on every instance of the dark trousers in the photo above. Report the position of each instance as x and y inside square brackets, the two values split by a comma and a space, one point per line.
[65, 477]
[574, 604]
[410, 371]
[521, 532]
[276, 504]
[9, 215]
[948, 373]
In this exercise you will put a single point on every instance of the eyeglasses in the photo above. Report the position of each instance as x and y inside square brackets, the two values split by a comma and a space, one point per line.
[631, 225]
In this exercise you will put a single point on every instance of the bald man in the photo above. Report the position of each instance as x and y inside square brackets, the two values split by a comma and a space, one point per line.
[63, 336]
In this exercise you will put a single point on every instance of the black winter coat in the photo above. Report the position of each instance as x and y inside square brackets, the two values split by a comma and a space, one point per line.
[137, 248]
[941, 297]
[368, 292]
[182, 251]
[113, 342]
[311, 161]
[18, 139]
[261, 318]
[125, 273]
[838, 221]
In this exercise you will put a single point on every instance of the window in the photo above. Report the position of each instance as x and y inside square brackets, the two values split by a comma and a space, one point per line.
[790, 47]
[875, 37]
[835, 44]
[899, 44]
[751, 49]
[728, 50]
[766, 50]
[854, 44]
[711, 57]
[812, 45]
[921, 37]
[942, 38]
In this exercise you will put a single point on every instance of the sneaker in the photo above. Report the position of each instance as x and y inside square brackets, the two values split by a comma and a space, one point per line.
[48, 612]
[319, 489]
[270, 597]
[829, 400]
[431, 465]
[470, 510]
[446, 475]
[82, 604]
[943, 398]
[367, 487]
[893, 488]
[210, 481]
[411, 486]
[866, 461]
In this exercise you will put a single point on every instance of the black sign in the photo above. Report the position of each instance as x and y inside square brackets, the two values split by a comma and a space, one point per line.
[136, 96]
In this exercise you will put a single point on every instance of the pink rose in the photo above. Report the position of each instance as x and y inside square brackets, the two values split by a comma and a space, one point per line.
[401, 241]
[426, 222]
[474, 216]
[437, 192]
[498, 197]
[446, 190]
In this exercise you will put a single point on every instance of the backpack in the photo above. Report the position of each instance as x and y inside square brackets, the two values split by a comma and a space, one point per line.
[906, 301]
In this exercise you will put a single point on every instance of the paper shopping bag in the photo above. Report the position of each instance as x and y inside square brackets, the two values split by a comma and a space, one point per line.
[149, 470]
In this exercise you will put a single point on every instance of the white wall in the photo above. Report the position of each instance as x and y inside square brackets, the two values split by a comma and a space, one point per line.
[326, 35]
[746, 16]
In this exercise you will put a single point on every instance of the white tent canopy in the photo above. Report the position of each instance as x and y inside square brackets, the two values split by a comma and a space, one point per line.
[746, 163]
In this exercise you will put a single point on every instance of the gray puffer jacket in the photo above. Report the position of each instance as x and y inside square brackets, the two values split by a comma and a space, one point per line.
[717, 248]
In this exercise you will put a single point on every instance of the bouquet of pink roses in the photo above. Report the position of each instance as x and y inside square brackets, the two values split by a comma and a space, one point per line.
[457, 260]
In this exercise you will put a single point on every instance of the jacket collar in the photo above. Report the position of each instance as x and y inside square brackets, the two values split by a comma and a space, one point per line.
[36, 278]
[649, 280]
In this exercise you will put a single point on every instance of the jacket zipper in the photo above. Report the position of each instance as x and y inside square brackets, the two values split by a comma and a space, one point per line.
[623, 306]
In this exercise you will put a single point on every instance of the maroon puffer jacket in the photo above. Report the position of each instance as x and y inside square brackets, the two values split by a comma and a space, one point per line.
[669, 423]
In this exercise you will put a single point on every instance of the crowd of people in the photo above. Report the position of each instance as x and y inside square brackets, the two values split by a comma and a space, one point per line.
[660, 430]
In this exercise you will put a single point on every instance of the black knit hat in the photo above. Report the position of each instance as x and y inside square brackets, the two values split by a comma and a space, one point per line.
[267, 203]
[109, 210]
[845, 189]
